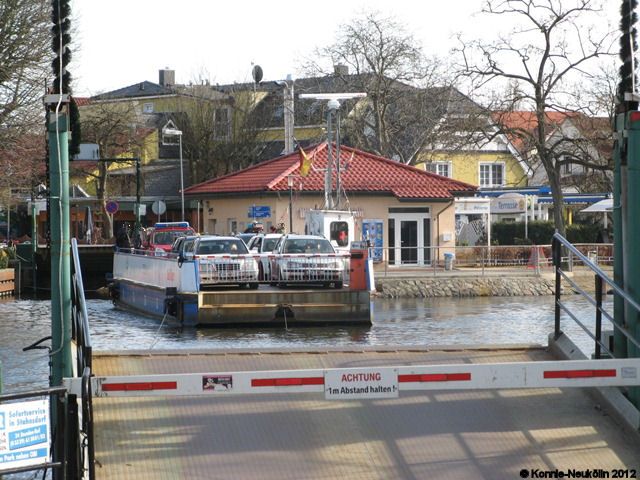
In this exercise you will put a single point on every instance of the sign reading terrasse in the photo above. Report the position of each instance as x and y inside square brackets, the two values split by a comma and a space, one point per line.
[361, 383]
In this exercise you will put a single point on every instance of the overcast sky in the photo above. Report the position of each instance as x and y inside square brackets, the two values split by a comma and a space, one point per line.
[122, 42]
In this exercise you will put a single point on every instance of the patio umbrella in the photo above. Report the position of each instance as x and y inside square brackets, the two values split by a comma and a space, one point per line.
[604, 206]
[89, 222]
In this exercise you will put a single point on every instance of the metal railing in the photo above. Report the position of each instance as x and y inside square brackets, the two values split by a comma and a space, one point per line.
[482, 258]
[573, 254]
[82, 338]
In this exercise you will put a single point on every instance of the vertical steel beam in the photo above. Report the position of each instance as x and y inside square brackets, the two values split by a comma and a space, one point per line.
[619, 340]
[632, 229]
[60, 249]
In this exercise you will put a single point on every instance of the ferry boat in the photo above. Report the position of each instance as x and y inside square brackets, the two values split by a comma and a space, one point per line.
[197, 291]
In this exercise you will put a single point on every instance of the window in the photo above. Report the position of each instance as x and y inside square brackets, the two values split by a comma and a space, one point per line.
[566, 169]
[339, 231]
[221, 124]
[440, 168]
[491, 174]
[147, 108]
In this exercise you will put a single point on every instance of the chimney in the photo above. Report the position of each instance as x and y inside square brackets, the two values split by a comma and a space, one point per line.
[341, 70]
[167, 77]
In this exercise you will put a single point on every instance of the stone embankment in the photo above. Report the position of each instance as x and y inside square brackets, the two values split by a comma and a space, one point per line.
[463, 287]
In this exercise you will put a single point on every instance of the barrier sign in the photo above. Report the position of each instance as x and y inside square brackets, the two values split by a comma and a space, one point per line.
[24, 434]
[345, 384]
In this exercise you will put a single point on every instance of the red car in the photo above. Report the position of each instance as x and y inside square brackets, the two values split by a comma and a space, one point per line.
[164, 234]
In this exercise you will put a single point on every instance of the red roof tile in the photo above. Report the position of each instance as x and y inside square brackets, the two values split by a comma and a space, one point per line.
[362, 172]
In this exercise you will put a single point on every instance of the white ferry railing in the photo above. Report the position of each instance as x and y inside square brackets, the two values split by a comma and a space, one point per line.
[310, 268]
[229, 269]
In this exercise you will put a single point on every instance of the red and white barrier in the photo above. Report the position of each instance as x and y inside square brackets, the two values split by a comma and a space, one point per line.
[374, 382]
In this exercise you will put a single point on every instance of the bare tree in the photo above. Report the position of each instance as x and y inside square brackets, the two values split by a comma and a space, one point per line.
[553, 44]
[220, 134]
[24, 60]
[114, 127]
[403, 104]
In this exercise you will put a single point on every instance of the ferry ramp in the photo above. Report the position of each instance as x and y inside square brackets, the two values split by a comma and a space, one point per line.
[485, 434]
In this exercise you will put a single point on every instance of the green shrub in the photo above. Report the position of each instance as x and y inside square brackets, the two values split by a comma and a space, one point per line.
[583, 233]
[4, 258]
[512, 233]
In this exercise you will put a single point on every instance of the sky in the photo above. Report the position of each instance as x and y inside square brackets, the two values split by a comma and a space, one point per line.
[123, 42]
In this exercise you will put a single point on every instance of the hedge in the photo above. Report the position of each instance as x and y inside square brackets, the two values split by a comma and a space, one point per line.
[540, 233]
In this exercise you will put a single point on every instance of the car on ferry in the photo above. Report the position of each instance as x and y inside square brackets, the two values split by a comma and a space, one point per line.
[263, 245]
[183, 244]
[307, 260]
[161, 237]
[223, 260]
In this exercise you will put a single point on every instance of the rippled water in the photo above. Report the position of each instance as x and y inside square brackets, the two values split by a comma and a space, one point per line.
[405, 322]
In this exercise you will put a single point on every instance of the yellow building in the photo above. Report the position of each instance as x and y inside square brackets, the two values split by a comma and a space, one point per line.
[496, 164]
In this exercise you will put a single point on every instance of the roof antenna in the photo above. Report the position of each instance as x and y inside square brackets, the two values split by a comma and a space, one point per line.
[333, 110]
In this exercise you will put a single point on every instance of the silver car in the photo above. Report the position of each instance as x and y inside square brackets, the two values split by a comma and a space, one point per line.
[263, 246]
[307, 259]
[224, 261]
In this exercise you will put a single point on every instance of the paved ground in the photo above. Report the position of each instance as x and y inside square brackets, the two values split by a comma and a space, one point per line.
[450, 435]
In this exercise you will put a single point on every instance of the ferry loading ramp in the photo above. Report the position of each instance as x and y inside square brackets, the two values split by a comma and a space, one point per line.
[488, 434]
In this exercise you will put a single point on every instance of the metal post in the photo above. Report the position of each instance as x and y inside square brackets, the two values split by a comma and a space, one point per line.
[632, 226]
[181, 179]
[290, 204]
[338, 186]
[619, 340]
[328, 182]
[60, 249]
[598, 292]
[288, 115]
[557, 260]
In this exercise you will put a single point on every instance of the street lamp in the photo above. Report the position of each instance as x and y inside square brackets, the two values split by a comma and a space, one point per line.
[178, 133]
[290, 183]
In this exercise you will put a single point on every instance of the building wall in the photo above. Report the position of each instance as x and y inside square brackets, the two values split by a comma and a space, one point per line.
[465, 166]
[227, 210]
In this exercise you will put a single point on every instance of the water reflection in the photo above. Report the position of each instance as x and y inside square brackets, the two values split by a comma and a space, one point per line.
[400, 322]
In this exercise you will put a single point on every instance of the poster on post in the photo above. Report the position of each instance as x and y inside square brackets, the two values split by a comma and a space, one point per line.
[24, 434]
[372, 231]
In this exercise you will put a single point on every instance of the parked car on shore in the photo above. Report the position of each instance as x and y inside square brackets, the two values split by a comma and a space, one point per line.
[307, 259]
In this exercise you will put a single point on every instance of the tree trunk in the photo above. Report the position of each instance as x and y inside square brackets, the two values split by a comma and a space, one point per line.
[558, 200]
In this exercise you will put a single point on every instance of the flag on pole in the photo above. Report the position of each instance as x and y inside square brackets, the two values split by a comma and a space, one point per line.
[305, 163]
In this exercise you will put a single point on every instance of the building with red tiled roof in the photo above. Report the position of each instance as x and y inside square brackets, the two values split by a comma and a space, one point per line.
[415, 208]
[576, 139]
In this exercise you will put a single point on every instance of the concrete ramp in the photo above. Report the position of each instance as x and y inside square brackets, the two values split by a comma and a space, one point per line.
[486, 434]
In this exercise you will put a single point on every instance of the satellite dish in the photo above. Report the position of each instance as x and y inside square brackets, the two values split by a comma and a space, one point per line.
[256, 73]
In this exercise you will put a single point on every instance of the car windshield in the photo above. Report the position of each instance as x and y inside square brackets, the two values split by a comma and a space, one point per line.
[168, 237]
[308, 245]
[221, 246]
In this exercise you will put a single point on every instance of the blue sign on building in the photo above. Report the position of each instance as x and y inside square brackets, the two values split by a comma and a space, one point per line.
[263, 211]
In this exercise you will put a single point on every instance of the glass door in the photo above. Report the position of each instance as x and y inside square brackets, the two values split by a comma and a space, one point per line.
[409, 242]
[409, 237]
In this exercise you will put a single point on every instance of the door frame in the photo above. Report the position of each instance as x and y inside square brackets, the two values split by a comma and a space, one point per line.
[423, 242]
